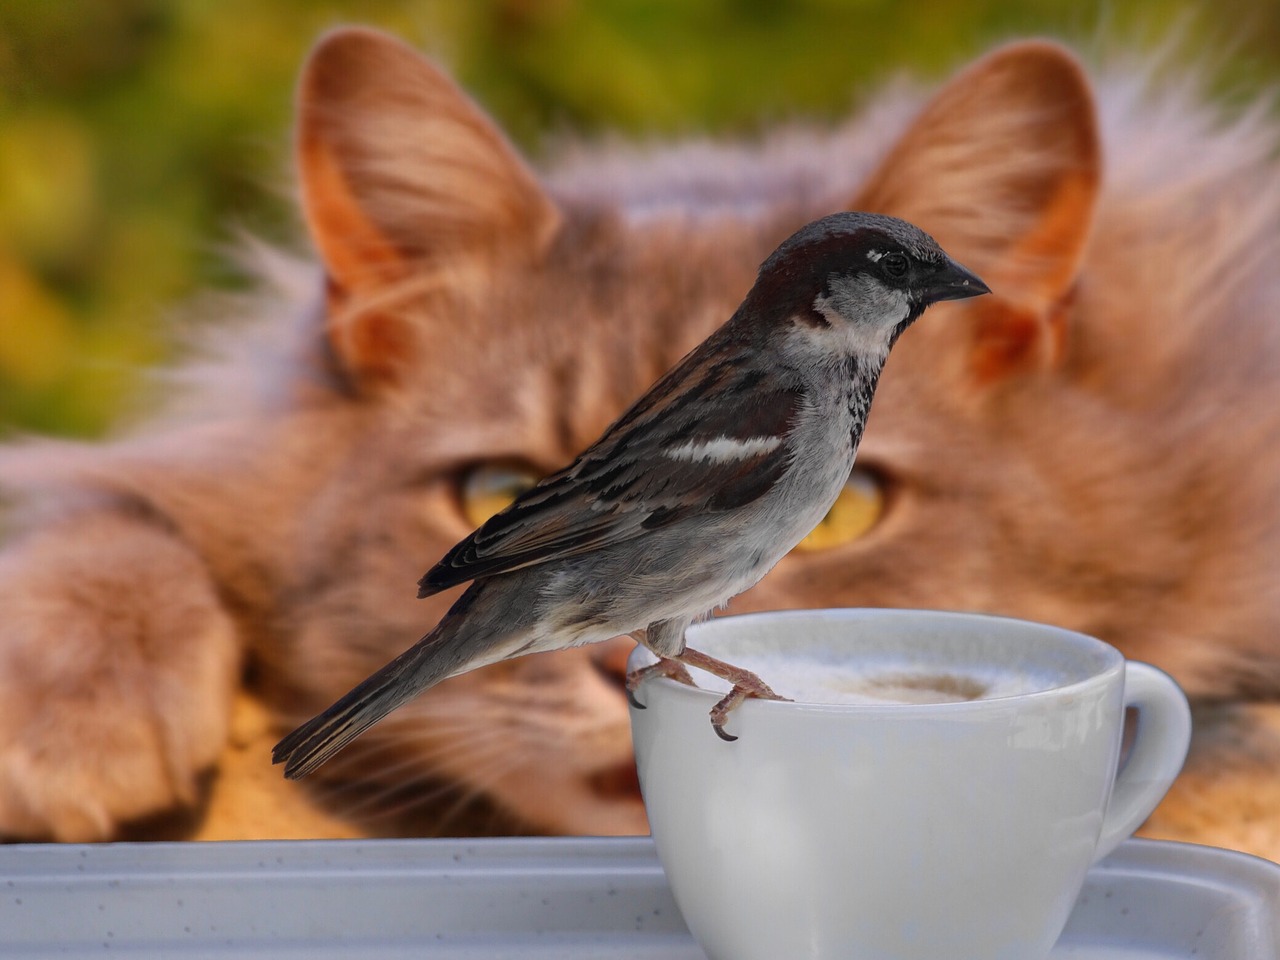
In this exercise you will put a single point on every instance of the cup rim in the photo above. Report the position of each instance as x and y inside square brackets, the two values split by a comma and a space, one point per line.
[1115, 663]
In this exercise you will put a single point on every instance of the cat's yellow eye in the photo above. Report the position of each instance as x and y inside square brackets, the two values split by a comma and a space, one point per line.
[855, 511]
[488, 488]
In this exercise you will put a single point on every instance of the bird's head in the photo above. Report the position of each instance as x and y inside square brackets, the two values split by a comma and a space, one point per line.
[857, 279]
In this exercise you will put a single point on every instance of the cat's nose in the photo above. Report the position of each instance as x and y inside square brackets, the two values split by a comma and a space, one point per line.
[610, 659]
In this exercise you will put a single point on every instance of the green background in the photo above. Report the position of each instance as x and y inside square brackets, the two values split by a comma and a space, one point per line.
[138, 136]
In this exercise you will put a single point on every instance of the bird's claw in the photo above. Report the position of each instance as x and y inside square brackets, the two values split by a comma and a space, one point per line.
[745, 685]
[748, 687]
[721, 733]
[663, 668]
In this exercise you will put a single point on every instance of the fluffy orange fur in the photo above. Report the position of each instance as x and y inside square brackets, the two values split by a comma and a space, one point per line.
[1094, 446]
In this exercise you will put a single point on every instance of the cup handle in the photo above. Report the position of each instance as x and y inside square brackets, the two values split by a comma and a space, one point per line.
[1158, 752]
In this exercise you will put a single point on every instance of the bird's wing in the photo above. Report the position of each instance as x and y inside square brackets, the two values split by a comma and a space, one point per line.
[707, 438]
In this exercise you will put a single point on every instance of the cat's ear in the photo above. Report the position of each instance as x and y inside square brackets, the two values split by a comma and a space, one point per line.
[1003, 168]
[402, 176]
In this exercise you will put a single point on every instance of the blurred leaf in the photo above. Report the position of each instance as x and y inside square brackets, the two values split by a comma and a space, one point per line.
[36, 338]
[47, 196]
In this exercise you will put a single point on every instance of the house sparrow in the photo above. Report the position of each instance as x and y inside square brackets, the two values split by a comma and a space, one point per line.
[693, 494]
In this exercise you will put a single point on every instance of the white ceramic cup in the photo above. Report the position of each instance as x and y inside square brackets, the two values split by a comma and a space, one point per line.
[873, 830]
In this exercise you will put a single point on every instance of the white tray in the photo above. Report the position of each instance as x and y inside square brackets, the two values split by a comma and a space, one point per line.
[534, 899]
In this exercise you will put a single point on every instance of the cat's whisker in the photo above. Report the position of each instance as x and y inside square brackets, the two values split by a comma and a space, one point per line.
[481, 776]
[372, 800]
[486, 752]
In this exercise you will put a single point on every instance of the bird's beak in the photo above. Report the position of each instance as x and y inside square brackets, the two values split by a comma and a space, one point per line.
[954, 282]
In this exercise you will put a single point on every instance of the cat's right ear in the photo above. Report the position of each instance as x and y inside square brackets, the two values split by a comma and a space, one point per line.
[403, 179]
[1003, 167]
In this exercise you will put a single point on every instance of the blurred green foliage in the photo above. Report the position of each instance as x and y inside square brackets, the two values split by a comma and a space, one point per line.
[134, 134]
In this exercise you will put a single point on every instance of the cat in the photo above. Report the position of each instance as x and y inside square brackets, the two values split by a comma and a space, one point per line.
[1096, 445]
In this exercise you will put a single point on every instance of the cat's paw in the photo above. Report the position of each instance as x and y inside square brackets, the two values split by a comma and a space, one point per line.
[116, 671]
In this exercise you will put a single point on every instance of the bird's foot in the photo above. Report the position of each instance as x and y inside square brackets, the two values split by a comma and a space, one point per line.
[663, 668]
[745, 685]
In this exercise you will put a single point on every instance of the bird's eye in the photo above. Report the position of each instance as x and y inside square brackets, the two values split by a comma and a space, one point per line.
[486, 488]
[895, 265]
[854, 513]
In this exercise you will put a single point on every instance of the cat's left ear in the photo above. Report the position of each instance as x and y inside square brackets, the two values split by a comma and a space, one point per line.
[1003, 166]
[403, 178]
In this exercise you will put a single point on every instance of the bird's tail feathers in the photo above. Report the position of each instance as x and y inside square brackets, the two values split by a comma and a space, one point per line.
[421, 666]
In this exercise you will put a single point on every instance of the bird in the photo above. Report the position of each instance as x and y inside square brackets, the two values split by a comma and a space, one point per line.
[693, 494]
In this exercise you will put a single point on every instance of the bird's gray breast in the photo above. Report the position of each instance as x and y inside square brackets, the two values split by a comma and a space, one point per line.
[822, 442]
